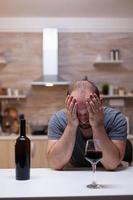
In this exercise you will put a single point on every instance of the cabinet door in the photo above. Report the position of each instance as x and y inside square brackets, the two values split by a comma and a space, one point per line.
[11, 148]
[7, 158]
[38, 153]
[4, 154]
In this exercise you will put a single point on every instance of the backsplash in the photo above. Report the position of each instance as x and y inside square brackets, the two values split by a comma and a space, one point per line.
[77, 53]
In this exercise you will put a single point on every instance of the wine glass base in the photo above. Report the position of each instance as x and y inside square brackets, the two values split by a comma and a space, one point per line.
[94, 185]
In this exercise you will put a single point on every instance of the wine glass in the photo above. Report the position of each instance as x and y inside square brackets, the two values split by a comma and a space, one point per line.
[93, 154]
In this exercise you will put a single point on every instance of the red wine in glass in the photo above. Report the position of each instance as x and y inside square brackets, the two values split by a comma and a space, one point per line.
[93, 156]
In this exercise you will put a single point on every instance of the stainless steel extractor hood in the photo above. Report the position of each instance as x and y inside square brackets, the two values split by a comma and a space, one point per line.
[50, 75]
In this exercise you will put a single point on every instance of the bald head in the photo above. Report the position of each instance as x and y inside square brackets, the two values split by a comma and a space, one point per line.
[83, 88]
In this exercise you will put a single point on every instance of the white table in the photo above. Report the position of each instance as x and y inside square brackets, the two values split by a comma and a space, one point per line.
[49, 184]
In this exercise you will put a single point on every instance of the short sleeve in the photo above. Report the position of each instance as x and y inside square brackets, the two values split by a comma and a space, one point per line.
[118, 127]
[55, 127]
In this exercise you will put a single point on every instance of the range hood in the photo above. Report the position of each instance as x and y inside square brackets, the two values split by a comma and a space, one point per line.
[50, 75]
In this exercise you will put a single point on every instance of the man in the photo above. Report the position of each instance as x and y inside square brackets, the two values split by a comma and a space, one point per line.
[85, 117]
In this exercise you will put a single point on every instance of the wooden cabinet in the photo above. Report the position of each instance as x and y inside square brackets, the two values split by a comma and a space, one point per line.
[6, 153]
[38, 151]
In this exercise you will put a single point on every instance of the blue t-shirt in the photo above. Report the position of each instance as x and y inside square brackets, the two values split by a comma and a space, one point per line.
[114, 122]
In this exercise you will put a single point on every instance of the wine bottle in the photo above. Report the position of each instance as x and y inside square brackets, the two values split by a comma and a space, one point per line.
[22, 152]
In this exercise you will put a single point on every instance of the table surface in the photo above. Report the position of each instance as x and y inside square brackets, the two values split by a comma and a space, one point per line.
[46, 183]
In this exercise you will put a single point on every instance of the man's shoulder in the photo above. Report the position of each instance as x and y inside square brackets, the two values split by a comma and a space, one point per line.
[112, 115]
[115, 124]
[109, 111]
[59, 116]
[57, 124]
[60, 113]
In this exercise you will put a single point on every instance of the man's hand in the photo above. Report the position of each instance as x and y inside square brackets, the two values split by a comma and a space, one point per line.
[71, 107]
[95, 110]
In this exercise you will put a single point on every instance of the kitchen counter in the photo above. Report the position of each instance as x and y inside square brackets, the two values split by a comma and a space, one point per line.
[70, 184]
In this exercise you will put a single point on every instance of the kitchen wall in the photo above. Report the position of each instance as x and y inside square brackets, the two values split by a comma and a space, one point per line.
[77, 53]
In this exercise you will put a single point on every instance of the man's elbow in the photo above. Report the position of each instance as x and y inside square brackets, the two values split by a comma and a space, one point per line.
[53, 164]
[111, 166]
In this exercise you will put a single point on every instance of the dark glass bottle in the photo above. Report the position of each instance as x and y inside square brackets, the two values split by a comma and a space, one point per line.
[22, 153]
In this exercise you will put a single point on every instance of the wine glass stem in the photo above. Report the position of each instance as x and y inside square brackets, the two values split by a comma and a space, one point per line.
[94, 168]
[94, 173]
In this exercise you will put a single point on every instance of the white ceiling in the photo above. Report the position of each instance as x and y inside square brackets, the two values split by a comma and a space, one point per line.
[66, 8]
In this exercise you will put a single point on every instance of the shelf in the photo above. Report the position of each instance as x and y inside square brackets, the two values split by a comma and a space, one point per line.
[6, 97]
[116, 96]
[108, 62]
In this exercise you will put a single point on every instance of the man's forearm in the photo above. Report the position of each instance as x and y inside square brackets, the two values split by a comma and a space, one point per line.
[61, 152]
[111, 154]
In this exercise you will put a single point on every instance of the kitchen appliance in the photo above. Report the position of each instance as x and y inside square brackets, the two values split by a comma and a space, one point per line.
[50, 75]
[39, 129]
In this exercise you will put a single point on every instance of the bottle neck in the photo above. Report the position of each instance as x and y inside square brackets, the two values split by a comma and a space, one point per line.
[22, 127]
